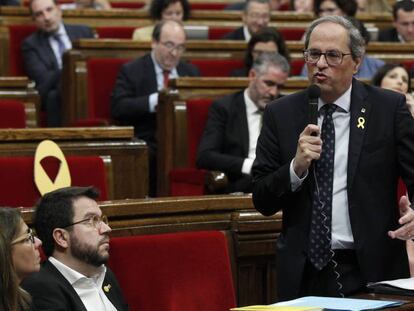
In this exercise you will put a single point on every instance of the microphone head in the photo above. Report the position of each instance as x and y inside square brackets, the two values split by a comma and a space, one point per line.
[314, 91]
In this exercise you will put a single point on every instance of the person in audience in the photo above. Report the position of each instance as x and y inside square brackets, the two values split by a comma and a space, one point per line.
[373, 6]
[42, 54]
[75, 237]
[267, 39]
[19, 257]
[162, 10]
[86, 4]
[301, 6]
[336, 180]
[135, 94]
[255, 16]
[229, 140]
[403, 23]
[369, 65]
[335, 7]
[395, 77]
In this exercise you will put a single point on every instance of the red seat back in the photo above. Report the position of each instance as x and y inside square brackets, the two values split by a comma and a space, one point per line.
[177, 271]
[292, 33]
[17, 33]
[115, 32]
[208, 6]
[217, 67]
[102, 73]
[127, 5]
[296, 66]
[216, 33]
[12, 114]
[17, 187]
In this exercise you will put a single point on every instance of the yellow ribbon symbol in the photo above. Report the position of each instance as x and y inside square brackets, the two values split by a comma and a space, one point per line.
[361, 123]
[107, 288]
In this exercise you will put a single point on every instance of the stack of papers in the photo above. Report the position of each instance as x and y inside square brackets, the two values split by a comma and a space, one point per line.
[399, 287]
[275, 308]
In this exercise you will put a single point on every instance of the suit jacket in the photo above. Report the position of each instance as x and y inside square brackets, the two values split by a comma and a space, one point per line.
[388, 35]
[130, 98]
[237, 34]
[41, 66]
[225, 141]
[51, 291]
[378, 154]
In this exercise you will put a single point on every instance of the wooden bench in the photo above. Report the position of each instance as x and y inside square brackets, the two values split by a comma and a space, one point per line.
[129, 156]
[22, 89]
[252, 236]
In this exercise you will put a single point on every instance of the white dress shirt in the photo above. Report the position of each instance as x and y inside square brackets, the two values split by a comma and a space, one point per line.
[247, 35]
[159, 74]
[342, 237]
[55, 46]
[89, 289]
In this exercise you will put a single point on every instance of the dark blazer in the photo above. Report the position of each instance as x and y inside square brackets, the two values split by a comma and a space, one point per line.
[388, 35]
[51, 291]
[225, 141]
[130, 98]
[378, 154]
[41, 66]
[237, 34]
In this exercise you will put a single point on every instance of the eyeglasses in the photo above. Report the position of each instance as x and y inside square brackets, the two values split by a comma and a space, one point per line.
[30, 236]
[93, 221]
[171, 47]
[332, 57]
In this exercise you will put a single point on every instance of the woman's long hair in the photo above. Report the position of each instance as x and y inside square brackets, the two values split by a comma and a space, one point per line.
[12, 296]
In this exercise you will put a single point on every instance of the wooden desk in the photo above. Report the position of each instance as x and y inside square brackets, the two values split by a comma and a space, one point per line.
[129, 156]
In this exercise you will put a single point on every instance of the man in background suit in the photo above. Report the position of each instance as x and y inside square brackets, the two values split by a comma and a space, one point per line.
[256, 16]
[403, 30]
[135, 95]
[42, 54]
[342, 227]
[76, 235]
[229, 140]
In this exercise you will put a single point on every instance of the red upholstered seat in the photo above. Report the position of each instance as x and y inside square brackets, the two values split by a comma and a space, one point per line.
[296, 66]
[190, 180]
[12, 114]
[208, 6]
[408, 64]
[217, 67]
[127, 5]
[176, 271]
[102, 73]
[17, 187]
[216, 33]
[115, 32]
[17, 33]
[292, 33]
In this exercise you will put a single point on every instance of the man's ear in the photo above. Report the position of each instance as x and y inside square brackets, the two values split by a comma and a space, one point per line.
[61, 237]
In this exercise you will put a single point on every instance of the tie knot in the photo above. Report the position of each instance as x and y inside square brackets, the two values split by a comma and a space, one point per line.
[329, 109]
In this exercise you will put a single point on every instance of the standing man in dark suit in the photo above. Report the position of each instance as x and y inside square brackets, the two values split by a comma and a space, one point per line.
[42, 54]
[255, 16]
[403, 30]
[74, 277]
[230, 136]
[135, 95]
[336, 182]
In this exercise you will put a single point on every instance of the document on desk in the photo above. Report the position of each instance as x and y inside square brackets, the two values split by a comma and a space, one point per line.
[275, 308]
[399, 287]
[340, 304]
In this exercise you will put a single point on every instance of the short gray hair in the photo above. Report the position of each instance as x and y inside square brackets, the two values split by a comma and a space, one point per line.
[356, 41]
[266, 60]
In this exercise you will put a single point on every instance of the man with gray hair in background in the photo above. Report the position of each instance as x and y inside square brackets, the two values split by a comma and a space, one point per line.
[234, 122]
[330, 158]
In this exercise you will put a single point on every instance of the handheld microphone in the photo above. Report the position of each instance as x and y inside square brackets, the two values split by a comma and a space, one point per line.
[314, 92]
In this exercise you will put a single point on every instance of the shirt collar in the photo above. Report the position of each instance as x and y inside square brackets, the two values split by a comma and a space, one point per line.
[343, 102]
[246, 33]
[159, 70]
[251, 107]
[73, 276]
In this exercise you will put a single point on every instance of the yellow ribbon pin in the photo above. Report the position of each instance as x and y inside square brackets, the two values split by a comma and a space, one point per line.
[361, 123]
[107, 288]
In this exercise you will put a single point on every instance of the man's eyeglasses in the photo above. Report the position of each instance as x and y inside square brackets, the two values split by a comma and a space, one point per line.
[93, 221]
[171, 47]
[332, 57]
[30, 236]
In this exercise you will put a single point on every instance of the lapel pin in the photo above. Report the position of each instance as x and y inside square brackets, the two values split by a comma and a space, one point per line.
[107, 288]
[363, 110]
[361, 123]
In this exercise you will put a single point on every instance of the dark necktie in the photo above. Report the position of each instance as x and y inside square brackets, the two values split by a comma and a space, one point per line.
[166, 75]
[320, 229]
[61, 46]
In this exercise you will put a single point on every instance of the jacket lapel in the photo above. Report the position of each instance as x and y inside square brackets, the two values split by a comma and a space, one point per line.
[241, 122]
[360, 112]
[46, 50]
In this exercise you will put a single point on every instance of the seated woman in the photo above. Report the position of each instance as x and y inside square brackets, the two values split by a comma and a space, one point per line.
[266, 40]
[19, 257]
[177, 10]
[335, 7]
